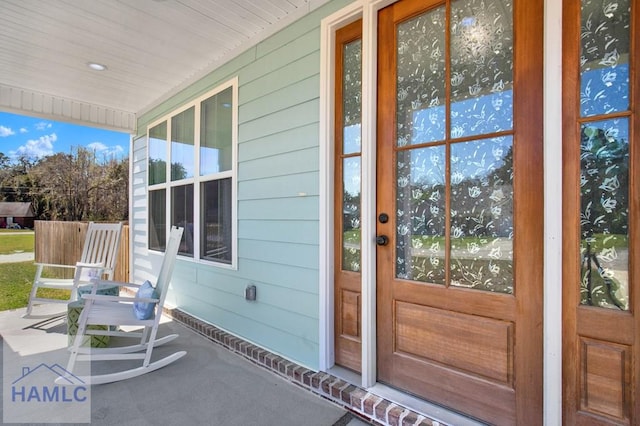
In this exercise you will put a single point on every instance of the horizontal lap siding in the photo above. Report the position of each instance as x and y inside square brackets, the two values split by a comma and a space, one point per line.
[278, 197]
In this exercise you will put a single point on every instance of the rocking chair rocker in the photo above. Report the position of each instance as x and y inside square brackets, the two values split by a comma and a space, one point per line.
[120, 311]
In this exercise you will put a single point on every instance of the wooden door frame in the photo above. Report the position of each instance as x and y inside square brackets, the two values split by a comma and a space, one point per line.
[367, 9]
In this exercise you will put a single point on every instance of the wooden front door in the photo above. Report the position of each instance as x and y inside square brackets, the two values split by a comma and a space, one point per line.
[601, 212]
[460, 205]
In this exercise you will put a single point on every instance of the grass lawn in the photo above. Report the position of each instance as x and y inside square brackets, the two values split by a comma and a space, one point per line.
[15, 285]
[16, 241]
[16, 278]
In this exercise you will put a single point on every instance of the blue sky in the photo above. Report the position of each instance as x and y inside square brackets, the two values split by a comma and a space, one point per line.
[37, 138]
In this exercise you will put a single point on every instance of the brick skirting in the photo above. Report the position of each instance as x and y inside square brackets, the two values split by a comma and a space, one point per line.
[367, 405]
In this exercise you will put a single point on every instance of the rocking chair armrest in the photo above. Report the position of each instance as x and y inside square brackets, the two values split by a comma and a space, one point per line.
[56, 265]
[98, 265]
[118, 283]
[105, 298]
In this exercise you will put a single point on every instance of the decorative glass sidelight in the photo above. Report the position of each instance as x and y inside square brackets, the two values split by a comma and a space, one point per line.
[604, 57]
[351, 214]
[604, 153]
[604, 216]
[465, 186]
[351, 149]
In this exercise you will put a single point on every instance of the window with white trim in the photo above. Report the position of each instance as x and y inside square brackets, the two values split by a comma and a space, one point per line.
[192, 176]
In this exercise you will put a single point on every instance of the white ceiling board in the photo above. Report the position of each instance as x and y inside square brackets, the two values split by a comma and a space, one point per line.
[152, 48]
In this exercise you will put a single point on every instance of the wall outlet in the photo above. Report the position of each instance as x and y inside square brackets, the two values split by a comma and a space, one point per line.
[250, 292]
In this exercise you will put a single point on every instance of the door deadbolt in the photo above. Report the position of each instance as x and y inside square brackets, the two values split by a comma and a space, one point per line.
[382, 240]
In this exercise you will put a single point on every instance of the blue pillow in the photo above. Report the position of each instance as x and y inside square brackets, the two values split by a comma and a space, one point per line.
[144, 310]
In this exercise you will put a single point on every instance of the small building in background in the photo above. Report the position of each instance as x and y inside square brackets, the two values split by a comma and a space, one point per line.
[16, 215]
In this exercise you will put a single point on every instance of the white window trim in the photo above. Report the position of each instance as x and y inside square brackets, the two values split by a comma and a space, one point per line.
[196, 180]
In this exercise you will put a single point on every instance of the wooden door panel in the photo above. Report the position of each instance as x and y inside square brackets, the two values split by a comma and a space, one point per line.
[459, 300]
[605, 373]
[348, 350]
[484, 399]
[592, 322]
[466, 343]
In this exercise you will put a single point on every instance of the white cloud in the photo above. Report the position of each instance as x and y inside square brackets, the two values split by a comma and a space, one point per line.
[104, 150]
[6, 131]
[23, 130]
[97, 146]
[37, 148]
[43, 125]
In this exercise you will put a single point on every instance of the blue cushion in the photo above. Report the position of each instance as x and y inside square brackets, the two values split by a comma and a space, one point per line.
[144, 310]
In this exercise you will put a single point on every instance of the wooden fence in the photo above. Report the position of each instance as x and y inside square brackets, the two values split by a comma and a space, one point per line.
[61, 243]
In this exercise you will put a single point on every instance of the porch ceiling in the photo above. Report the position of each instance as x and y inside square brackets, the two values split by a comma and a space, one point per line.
[151, 48]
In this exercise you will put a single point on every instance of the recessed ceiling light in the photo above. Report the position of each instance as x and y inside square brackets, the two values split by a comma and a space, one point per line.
[96, 66]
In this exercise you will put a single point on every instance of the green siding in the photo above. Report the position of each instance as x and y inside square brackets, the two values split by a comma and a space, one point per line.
[286, 141]
[295, 94]
[290, 118]
[294, 162]
[278, 190]
[274, 81]
[291, 185]
[284, 231]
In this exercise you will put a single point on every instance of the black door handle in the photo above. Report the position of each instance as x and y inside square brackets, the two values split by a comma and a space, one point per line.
[382, 240]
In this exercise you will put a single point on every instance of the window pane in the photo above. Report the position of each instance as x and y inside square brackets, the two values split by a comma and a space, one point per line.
[182, 215]
[604, 194]
[158, 154]
[421, 214]
[216, 228]
[157, 219]
[482, 214]
[420, 79]
[351, 214]
[481, 67]
[216, 123]
[352, 97]
[182, 150]
[604, 57]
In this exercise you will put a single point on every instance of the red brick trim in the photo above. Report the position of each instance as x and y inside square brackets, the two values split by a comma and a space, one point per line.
[370, 407]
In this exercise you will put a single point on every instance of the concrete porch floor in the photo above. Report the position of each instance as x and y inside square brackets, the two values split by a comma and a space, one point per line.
[211, 385]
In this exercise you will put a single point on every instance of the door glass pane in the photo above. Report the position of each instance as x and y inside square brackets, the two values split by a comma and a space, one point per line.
[182, 215]
[216, 125]
[158, 154]
[604, 196]
[216, 220]
[481, 67]
[351, 214]
[420, 214]
[421, 79]
[182, 149]
[604, 56]
[482, 214]
[352, 97]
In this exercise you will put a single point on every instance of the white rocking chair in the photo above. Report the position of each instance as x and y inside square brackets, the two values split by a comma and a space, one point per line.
[99, 256]
[119, 311]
